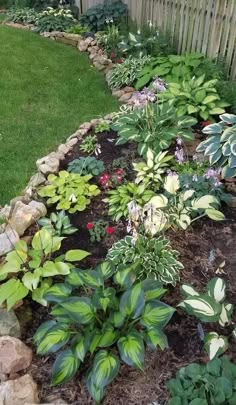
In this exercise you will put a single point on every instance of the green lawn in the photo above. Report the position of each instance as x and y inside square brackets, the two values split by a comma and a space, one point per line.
[47, 90]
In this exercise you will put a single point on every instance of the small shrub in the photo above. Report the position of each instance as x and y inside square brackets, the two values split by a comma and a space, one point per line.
[77, 29]
[24, 15]
[54, 20]
[126, 73]
[86, 165]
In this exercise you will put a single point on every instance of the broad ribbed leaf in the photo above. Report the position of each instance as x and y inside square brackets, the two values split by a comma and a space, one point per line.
[131, 349]
[79, 310]
[76, 255]
[125, 276]
[81, 345]
[97, 393]
[74, 278]
[155, 337]
[203, 307]
[65, 367]
[42, 330]
[216, 215]
[57, 292]
[216, 287]
[109, 336]
[106, 270]
[215, 344]
[105, 368]
[152, 289]
[156, 314]
[54, 339]
[132, 301]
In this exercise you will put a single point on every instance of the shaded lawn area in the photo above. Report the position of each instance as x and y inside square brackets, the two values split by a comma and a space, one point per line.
[47, 90]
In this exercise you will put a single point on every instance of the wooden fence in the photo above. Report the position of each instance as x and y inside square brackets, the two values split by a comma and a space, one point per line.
[207, 26]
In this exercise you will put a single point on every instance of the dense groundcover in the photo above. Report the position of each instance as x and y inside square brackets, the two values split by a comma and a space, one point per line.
[47, 90]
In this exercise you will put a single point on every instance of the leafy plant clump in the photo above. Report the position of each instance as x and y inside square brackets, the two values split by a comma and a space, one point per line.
[24, 15]
[154, 126]
[125, 73]
[156, 258]
[194, 97]
[58, 223]
[220, 146]
[77, 29]
[32, 269]
[97, 17]
[102, 126]
[108, 325]
[55, 20]
[90, 145]
[70, 191]
[85, 166]
[210, 384]
[98, 230]
[119, 199]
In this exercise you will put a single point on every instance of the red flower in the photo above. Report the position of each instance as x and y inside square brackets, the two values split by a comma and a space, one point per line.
[205, 123]
[119, 171]
[90, 225]
[110, 230]
[119, 60]
[112, 55]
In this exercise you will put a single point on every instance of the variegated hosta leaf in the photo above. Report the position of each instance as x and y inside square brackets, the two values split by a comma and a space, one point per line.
[106, 270]
[57, 292]
[203, 307]
[97, 393]
[155, 222]
[215, 344]
[54, 339]
[216, 288]
[187, 290]
[172, 184]
[132, 301]
[204, 202]
[131, 349]
[155, 337]
[79, 310]
[156, 314]
[153, 289]
[159, 201]
[216, 215]
[226, 314]
[187, 195]
[81, 345]
[65, 367]
[234, 333]
[105, 368]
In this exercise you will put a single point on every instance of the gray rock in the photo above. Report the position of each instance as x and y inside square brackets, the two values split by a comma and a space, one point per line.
[86, 125]
[72, 142]
[8, 240]
[48, 164]
[118, 93]
[39, 209]
[14, 355]
[25, 215]
[36, 180]
[9, 324]
[83, 46]
[21, 391]
[63, 148]
[125, 97]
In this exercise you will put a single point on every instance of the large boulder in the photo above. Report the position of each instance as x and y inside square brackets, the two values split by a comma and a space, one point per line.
[8, 240]
[9, 324]
[24, 215]
[21, 391]
[14, 355]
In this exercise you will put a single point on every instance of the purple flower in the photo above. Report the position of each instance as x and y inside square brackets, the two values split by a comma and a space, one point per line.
[171, 173]
[210, 173]
[179, 154]
[179, 141]
[159, 85]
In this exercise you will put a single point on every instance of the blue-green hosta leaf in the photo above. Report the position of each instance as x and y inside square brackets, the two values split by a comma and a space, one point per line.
[212, 148]
[51, 269]
[74, 278]
[226, 150]
[215, 344]
[126, 276]
[132, 301]
[81, 345]
[117, 319]
[203, 145]
[97, 393]
[228, 132]
[212, 129]
[57, 292]
[91, 278]
[228, 118]
[11, 292]
[65, 367]
[226, 314]
[42, 331]
[109, 336]
[105, 368]
[156, 314]
[155, 337]
[216, 288]
[54, 339]
[80, 310]
[233, 148]
[106, 270]
[228, 172]
[203, 307]
[216, 215]
[76, 255]
[232, 159]
[131, 349]
[215, 157]
[152, 289]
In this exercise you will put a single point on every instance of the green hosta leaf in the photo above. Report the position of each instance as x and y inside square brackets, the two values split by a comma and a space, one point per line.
[155, 337]
[81, 345]
[95, 339]
[152, 289]
[203, 307]
[106, 270]
[53, 340]
[216, 288]
[51, 269]
[97, 393]
[109, 336]
[42, 331]
[91, 278]
[215, 214]
[74, 278]
[102, 298]
[125, 276]
[57, 292]
[105, 368]
[76, 255]
[65, 367]
[42, 239]
[31, 280]
[117, 319]
[38, 294]
[156, 314]
[210, 99]
[215, 344]
[12, 291]
[131, 349]
[80, 310]
[132, 301]
[217, 111]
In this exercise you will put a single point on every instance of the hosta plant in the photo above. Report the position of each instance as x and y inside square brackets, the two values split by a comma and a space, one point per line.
[151, 171]
[69, 191]
[194, 97]
[31, 269]
[119, 198]
[220, 146]
[113, 322]
[55, 20]
[156, 258]
[125, 73]
[58, 224]
[213, 383]
[24, 15]
[154, 126]
[90, 145]
[86, 165]
[102, 126]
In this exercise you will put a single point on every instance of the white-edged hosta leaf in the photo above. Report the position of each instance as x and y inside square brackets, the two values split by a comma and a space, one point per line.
[132, 301]
[54, 339]
[215, 344]
[216, 288]
[212, 129]
[216, 215]
[80, 310]
[172, 184]
[204, 202]
[105, 368]
[203, 307]
[131, 349]
[156, 314]
[187, 290]
[226, 314]
[65, 367]
[228, 118]
[155, 337]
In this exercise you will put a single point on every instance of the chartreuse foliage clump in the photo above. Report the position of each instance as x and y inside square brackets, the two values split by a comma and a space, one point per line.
[210, 384]
[69, 191]
[112, 323]
[156, 259]
[220, 146]
[31, 269]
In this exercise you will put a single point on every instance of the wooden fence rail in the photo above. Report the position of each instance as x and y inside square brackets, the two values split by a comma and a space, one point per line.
[207, 26]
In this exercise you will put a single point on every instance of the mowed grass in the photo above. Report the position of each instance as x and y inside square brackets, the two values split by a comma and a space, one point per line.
[47, 90]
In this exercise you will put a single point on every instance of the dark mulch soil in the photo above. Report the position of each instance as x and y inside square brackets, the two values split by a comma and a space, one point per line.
[202, 249]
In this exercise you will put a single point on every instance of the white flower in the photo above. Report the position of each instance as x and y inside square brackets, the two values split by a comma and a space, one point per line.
[72, 198]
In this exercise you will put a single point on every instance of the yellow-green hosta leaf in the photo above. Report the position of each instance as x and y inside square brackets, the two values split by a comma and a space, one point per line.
[105, 368]
[65, 367]
[132, 301]
[216, 288]
[153, 289]
[215, 344]
[210, 99]
[54, 339]
[51, 269]
[172, 184]
[31, 280]
[57, 292]
[91, 278]
[11, 292]
[76, 255]
[97, 393]
[38, 294]
[216, 215]
[106, 270]
[42, 331]
[74, 278]
[155, 337]
[79, 310]
[42, 239]
[156, 314]
[131, 349]
[82, 345]
[109, 336]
